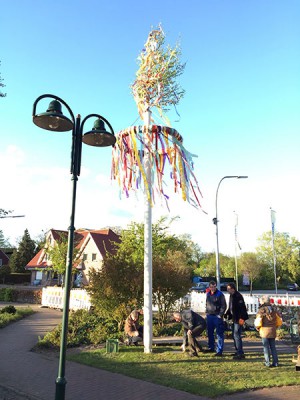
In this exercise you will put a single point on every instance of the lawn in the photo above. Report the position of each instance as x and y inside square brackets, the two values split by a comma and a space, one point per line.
[206, 375]
[7, 317]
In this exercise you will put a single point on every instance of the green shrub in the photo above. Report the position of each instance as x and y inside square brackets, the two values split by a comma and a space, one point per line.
[251, 334]
[7, 317]
[85, 327]
[6, 294]
[8, 310]
[22, 296]
[174, 329]
[98, 334]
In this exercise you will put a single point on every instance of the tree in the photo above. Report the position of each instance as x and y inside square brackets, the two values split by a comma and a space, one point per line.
[3, 241]
[250, 265]
[193, 250]
[227, 265]
[3, 212]
[1, 86]
[287, 250]
[23, 254]
[4, 272]
[58, 256]
[40, 241]
[207, 266]
[118, 287]
[171, 281]
[159, 67]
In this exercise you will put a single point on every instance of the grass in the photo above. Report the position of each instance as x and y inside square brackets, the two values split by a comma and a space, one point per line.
[206, 375]
[7, 318]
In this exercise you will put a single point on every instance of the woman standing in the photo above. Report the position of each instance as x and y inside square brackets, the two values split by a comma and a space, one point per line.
[266, 322]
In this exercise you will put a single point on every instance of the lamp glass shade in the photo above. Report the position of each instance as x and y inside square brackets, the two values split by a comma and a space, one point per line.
[99, 136]
[53, 119]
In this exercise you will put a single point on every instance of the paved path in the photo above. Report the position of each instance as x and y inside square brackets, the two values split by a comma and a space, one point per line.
[25, 375]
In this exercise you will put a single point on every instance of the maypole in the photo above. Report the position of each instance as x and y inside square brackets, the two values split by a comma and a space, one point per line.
[147, 243]
[142, 152]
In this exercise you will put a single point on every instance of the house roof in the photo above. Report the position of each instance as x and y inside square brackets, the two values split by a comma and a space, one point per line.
[103, 239]
[37, 261]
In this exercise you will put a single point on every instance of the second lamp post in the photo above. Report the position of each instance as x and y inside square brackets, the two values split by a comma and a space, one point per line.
[215, 221]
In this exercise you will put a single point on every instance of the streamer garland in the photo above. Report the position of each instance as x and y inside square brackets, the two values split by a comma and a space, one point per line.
[165, 150]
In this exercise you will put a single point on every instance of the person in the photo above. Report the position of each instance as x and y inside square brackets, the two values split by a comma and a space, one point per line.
[237, 312]
[133, 329]
[215, 309]
[266, 322]
[193, 325]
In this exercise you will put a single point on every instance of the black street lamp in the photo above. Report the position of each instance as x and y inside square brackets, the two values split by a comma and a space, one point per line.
[12, 216]
[54, 120]
[215, 221]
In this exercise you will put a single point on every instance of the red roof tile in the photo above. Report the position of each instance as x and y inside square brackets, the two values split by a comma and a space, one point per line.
[35, 262]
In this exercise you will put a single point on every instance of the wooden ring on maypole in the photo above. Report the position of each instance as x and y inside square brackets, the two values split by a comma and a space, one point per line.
[155, 129]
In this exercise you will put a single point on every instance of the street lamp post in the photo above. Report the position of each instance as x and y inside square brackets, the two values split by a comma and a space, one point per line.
[12, 216]
[54, 120]
[215, 221]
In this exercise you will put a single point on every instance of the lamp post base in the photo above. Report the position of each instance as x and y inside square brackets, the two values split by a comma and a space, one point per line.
[60, 388]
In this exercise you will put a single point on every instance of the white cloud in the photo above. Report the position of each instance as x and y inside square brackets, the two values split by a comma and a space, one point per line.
[43, 194]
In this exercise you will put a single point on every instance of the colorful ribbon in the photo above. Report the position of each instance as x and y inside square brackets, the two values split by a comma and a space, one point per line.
[162, 144]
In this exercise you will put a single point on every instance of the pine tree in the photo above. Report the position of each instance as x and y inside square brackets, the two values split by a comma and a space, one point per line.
[3, 241]
[23, 254]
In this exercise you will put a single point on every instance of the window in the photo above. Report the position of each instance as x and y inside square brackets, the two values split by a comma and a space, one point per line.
[39, 275]
[84, 257]
[94, 257]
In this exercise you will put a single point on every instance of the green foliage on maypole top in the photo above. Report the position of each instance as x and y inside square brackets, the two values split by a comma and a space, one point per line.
[155, 84]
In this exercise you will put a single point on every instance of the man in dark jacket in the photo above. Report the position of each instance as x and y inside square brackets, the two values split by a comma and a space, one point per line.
[236, 311]
[215, 309]
[193, 325]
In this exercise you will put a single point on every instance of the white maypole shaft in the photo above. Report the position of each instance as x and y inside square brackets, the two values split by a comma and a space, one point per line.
[147, 242]
[273, 220]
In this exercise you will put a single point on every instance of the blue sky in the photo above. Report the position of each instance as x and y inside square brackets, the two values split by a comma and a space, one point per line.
[240, 113]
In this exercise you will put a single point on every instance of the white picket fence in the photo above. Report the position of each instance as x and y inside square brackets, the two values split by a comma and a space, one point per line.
[53, 297]
[79, 299]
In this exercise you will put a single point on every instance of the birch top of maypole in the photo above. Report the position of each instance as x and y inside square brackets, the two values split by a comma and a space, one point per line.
[155, 84]
[155, 87]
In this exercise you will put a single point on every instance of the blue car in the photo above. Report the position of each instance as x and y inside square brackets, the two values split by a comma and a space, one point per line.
[292, 286]
[201, 287]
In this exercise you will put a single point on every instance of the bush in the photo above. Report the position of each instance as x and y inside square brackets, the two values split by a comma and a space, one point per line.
[174, 329]
[85, 327]
[6, 294]
[251, 334]
[8, 310]
[7, 317]
[22, 296]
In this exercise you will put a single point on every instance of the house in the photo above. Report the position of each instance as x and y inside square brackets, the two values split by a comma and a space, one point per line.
[4, 259]
[91, 246]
